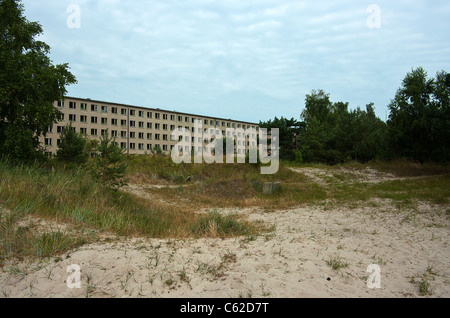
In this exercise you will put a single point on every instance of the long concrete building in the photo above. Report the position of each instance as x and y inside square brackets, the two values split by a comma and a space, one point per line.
[138, 130]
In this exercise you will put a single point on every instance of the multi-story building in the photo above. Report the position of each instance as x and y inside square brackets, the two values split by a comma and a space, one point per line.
[139, 130]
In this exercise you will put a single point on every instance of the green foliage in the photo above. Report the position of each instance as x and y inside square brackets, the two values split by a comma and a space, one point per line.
[29, 84]
[333, 134]
[298, 156]
[288, 130]
[109, 164]
[72, 147]
[419, 117]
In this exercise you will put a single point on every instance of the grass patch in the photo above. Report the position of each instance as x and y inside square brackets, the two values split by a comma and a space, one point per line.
[18, 241]
[337, 263]
[72, 196]
[214, 224]
[408, 168]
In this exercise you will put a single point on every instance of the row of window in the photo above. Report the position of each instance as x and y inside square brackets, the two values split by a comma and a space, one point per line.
[140, 146]
[141, 113]
[114, 133]
[165, 137]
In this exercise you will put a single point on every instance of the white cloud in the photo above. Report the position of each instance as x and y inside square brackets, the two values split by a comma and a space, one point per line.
[226, 55]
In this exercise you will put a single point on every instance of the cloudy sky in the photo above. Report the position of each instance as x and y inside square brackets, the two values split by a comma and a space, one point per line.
[248, 60]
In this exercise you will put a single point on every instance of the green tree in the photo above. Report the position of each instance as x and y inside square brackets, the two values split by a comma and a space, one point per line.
[29, 84]
[72, 146]
[317, 141]
[333, 134]
[419, 119]
[109, 165]
[288, 131]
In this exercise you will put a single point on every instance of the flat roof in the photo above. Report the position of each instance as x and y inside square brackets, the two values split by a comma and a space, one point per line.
[158, 109]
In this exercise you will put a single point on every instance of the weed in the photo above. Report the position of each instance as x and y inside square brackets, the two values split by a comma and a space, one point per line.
[337, 263]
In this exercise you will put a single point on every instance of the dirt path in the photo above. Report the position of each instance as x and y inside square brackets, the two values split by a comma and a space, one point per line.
[295, 260]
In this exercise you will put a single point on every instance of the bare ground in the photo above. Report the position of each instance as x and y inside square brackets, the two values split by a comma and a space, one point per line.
[410, 246]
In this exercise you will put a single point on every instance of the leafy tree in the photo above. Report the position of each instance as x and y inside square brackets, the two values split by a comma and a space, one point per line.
[29, 84]
[317, 140]
[419, 119]
[334, 134]
[72, 146]
[109, 164]
[288, 130]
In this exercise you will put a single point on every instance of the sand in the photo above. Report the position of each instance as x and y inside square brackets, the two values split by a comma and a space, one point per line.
[293, 261]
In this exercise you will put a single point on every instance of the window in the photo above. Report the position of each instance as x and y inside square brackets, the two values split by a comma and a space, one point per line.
[141, 124]
[164, 116]
[60, 129]
[93, 132]
[141, 135]
[83, 119]
[72, 117]
[149, 125]
[149, 136]
[132, 123]
[165, 147]
[61, 103]
[141, 113]
[123, 111]
[48, 141]
[149, 114]
[149, 146]
[172, 117]
[93, 120]
[172, 127]
[157, 137]
[123, 134]
[83, 131]
[123, 145]
[180, 118]
[132, 135]
[211, 122]
[157, 115]
[165, 137]
[113, 133]
[132, 112]
[93, 108]
[157, 126]
[193, 120]
[114, 122]
[114, 110]
[104, 121]
[72, 105]
[164, 127]
[123, 122]
[104, 132]
[132, 145]
[186, 119]
[83, 106]
[141, 146]
[104, 109]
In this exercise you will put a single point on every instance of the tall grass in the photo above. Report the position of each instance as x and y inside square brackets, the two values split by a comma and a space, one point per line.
[221, 185]
[73, 196]
[19, 241]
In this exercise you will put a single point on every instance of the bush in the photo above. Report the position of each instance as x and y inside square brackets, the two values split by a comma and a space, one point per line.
[72, 147]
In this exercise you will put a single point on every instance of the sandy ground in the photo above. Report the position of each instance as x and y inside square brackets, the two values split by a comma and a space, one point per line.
[292, 261]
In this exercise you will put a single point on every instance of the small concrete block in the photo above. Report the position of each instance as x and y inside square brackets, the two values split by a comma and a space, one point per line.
[267, 187]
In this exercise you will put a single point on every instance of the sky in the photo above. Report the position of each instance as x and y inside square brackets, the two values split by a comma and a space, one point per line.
[249, 60]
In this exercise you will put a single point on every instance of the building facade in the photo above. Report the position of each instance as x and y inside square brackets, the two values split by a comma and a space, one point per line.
[139, 130]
